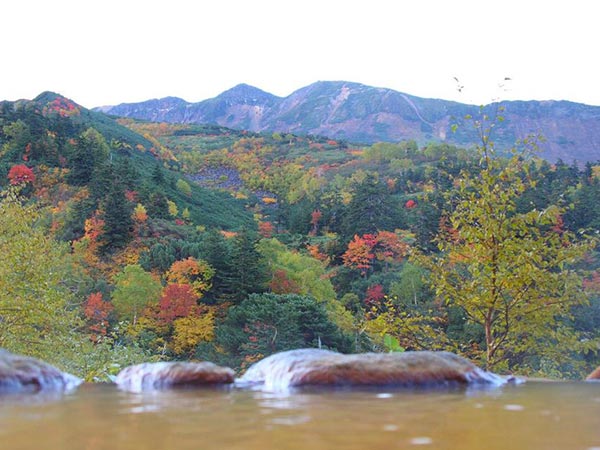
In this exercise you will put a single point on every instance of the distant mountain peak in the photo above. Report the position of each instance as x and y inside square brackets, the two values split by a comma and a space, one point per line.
[244, 93]
[365, 114]
[49, 97]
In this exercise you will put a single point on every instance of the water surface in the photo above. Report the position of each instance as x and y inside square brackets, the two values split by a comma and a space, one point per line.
[531, 416]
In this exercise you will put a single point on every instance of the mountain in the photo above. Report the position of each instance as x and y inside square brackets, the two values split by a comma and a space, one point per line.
[360, 113]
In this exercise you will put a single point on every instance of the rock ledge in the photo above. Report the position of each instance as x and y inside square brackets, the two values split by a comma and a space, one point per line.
[313, 367]
[165, 375]
[23, 374]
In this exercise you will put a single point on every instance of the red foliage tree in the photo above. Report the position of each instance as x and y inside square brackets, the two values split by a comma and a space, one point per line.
[282, 284]
[96, 311]
[20, 174]
[177, 300]
[410, 204]
[315, 217]
[131, 196]
[374, 295]
[390, 248]
[266, 229]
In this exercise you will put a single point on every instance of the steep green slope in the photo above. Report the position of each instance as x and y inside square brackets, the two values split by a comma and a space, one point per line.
[47, 132]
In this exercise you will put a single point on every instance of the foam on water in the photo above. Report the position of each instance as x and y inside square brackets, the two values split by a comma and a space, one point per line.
[280, 371]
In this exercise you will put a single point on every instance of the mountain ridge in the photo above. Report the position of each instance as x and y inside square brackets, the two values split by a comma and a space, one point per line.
[365, 114]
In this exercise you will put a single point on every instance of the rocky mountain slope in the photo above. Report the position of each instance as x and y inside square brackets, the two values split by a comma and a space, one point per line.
[360, 113]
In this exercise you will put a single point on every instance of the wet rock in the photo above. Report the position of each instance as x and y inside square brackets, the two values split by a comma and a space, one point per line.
[313, 367]
[165, 375]
[595, 375]
[22, 374]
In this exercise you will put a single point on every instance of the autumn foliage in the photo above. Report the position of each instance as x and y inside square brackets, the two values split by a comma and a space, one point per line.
[385, 246]
[266, 229]
[20, 174]
[374, 295]
[281, 283]
[193, 272]
[315, 217]
[177, 300]
[96, 312]
[359, 254]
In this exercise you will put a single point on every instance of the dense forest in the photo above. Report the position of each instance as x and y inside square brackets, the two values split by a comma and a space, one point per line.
[128, 241]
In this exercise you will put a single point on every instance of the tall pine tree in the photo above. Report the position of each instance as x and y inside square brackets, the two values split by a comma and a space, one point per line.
[118, 224]
[249, 271]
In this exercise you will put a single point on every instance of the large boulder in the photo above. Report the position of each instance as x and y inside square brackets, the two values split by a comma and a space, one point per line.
[22, 374]
[165, 375]
[314, 367]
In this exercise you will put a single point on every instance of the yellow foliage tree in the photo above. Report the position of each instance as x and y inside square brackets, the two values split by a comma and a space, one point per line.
[192, 330]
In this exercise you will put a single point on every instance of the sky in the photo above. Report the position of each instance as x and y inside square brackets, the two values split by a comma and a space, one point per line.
[109, 52]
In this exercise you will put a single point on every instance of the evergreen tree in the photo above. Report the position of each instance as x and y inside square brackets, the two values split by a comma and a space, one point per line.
[89, 153]
[371, 209]
[268, 323]
[118, 224]
[217, 252]
[248, 268]
[102, 180]
[157, 206]
[158, 175]
[584, 213]
[126, 173]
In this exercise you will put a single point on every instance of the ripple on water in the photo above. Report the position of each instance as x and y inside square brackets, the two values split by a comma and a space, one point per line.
[421, 440]
[514, 407]
[385, 395]
[291, 420]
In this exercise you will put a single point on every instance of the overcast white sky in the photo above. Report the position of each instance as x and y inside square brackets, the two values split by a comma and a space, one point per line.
[114, 51]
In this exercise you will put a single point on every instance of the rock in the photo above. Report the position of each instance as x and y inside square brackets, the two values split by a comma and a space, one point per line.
[164, 375]
[313, 367]
[595, 375]
[22, 374]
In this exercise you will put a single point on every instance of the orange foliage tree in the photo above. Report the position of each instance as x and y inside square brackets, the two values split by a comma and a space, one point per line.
[195, 272]
[384, 246]
[390, 247]
[359, 254]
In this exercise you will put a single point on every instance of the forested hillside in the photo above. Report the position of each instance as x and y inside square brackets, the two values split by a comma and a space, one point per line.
[147, 241]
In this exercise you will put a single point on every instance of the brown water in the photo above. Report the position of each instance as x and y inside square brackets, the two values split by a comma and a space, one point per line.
[531, 416]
